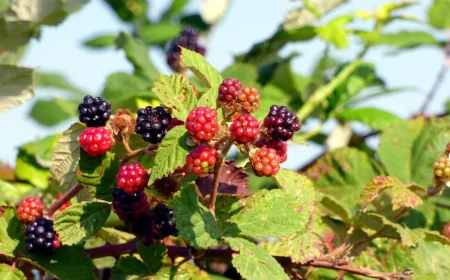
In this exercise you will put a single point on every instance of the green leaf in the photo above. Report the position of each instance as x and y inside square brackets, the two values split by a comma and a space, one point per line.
[194, 221]
[16, 85]
[332, 205]
[176, 93]
[298, 139]
[173, 273]
[402, 39]
[403, 196]
[9, 273]
[57, 81]
[135, 11]
[159, 33]
[302, 248]
[432, 259]
[202, 69]
[11, 235]
[374, 187]
[98, 174]
[61, 109]
[266, 212]
[175, 9]
[102, 41]
[66, 154]
[29, 169]
[438, 14]
[81, 221]
[65, 262]
[128, 268]
[253, 262]
[137, 54]
[334, 32]
[375, 118]
[171, 153]
[152, 255]
[114, 236]
[244, 72]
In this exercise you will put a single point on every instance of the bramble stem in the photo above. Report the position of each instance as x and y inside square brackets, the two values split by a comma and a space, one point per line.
[178, 251]
[217, 173]
[65, 198]
[142, 151]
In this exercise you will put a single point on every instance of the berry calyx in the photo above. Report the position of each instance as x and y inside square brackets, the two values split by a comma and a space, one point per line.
[244, 129]
[202, 123]
[65, 205]
[201, 160]
[265, 162]
[96, 140]
[129, 206]
[278, 145]
[445, 231]
[94, 112]
[132, 177]
[30, 209]
[441, 170]
[153, 123]
[41, 238]
[228, 90]
[248, 99]
[281, 123]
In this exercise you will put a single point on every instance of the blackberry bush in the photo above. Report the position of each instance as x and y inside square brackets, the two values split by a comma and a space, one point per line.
[153, 123]
[94, 112]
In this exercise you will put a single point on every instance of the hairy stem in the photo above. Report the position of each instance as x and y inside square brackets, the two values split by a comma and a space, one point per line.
[178, 251]
[65, 198]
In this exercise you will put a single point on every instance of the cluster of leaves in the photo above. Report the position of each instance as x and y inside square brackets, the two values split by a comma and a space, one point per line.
[353, 206]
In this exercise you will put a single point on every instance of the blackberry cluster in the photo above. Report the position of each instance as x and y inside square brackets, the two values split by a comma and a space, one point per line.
[441, 170]
[279, 146]
[96, 140]
[228, 91]
[29, 209]
[132, 177]
[94, 112]
[265, 162]
[188, 39]
[281, 123]
[244, 129]
[157, 224]
[152, 123]
[41, 238]
[202, 123]
[129, 206]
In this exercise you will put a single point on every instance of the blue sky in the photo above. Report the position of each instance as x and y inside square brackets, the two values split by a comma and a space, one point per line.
[60, 50]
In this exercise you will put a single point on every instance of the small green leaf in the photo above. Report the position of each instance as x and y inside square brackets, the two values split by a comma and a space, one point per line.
[114, 236]
[159, 33]
[337, 209]
[266, 212]
[57, 81]
[98, 174]
[9, 273]
[171, 153]
[202, 69]
[28, 169]
[302, 248]
[175, 9]
[152, 255]
[375, 118]
[334, 32]
[253, 262]
[194, 221]
[66, 154]
[128, 268]
[244, 72]
[16, 85]
[404, 197]
[176, 93]
[374, 187]
[61, 109]
[99, 42]
[11, 235]
[438, 14]
[81, 221]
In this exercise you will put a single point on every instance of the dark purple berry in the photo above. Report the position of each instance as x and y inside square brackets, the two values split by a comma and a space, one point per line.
[94, 112]
[188, 39]
[152, 123]
[40, 237]
[129, 206]
[281, 123]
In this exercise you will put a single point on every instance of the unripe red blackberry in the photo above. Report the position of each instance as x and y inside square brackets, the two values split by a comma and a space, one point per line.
[244, 129]
[130, 206]
[281, 123]
[445, 231]
[228, 91]
[65, 205]
[96, 140]
[94, 112]
[278, 145]
[132, 177]
[202, 160]
[265, 162]
[202, 123]
[30, 209]
[442, 170]
[41, 238]
[248, 99]
[153, 123]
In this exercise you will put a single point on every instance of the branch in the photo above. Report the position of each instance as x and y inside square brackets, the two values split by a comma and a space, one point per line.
[178, 251]
[150, 150]
[439, 78]
[65, 198]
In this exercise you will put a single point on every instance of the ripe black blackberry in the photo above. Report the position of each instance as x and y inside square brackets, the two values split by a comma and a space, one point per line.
[94, 112]
[188, 39]
[152, 123]
[41, 238]
[281, 123]
[129, 206]
[157, 224]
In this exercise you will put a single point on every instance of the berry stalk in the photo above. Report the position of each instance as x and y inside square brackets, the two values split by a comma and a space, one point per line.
[63, 200]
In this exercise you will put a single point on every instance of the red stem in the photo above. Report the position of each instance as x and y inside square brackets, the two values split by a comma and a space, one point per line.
[65, 198]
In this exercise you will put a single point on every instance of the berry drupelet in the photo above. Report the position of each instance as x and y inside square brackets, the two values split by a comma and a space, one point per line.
[202, 160]
[41, 238]
[129, 206]
[188, 39]
[96, 140]
[281, 123]
[244, 129]
[132, 177]
[265, 162]
[153, 123]
[202, 123]
[94, 112]
[30, 209]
